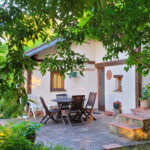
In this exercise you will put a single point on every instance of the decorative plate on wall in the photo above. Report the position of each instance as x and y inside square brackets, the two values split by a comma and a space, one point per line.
[109, 74]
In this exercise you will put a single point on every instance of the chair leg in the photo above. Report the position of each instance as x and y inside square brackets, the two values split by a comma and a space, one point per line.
[33, 113]
[47, 120]
[53, 119]
[80, 118]
[86, 115]
[43, 118]
[44, 112]
[57, 117]
[62, 119]
[69, 121]
[93, 116]
[82, 121]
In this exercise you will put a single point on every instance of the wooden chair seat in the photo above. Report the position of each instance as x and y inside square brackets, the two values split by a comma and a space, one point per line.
[54, 110]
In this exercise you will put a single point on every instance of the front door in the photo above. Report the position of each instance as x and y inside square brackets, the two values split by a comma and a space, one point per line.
[101, 89]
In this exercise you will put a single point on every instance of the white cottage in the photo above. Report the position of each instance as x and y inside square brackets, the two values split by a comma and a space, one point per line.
[108, 79]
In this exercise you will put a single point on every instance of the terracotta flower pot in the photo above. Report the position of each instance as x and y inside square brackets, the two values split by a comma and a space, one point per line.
[144, 103]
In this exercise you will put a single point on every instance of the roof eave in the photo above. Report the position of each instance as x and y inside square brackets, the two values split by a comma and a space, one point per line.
[40, 48]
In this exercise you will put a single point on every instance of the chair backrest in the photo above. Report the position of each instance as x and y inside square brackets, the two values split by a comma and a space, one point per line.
[34, 98]
[77, 102]
[44, 105]
[61, 96]
[91, 100]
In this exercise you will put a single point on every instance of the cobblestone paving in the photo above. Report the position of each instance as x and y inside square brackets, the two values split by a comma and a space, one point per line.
[91, 136]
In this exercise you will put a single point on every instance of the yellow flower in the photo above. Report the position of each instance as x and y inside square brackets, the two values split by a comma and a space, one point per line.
[8, 131]
[2, 142]
[2, 134]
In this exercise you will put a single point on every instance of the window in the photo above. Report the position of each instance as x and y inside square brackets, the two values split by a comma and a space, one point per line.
[57, 82]
[118, 83]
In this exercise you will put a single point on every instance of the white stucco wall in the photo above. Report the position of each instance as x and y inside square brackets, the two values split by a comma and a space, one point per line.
[127, 96]
[146, 80]
[100, 52]
[94, 51]
[74, 86]
[87, 49]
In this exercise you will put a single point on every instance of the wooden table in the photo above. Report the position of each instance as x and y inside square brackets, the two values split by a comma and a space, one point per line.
[62, 102]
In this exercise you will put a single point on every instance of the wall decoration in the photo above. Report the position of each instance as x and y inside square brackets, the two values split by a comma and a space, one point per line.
[118, 83]
[109, 74]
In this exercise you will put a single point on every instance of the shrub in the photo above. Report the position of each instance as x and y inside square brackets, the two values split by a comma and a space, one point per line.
[26, 129]
[15, 137]
[145, 92]
[10, 140]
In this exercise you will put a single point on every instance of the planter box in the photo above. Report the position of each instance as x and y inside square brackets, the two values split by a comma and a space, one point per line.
[144, 103]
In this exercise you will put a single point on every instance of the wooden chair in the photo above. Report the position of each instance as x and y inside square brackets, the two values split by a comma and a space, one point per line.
[90, 105]
[62, 96]
[49, 113]
[74, 114]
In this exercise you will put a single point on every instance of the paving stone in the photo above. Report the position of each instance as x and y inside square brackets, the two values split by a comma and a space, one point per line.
[91, 136]
[112, 146]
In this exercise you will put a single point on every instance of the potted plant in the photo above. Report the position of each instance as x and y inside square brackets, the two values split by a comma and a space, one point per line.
[117, 105]
[73, 74]
[144, 99]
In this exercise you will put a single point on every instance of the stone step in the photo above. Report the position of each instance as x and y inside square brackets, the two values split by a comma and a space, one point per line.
[136, 119]
[129, 131]
[143, 111]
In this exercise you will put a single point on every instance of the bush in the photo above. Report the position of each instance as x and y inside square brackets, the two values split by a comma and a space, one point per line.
[15, 137]
[26, 129]
[145, 92]
[10, 140]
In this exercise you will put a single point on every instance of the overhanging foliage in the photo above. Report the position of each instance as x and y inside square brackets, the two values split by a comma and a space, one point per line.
[123, 26]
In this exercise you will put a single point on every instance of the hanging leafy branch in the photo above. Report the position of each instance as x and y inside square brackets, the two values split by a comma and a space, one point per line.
[123, 26]
[64, 60]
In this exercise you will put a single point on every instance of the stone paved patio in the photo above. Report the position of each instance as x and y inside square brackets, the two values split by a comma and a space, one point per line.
[94, 135]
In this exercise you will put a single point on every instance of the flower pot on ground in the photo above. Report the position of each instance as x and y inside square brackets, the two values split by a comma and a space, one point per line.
[144, 103]
[144, 99]
[117, 105]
